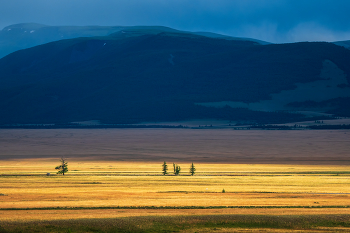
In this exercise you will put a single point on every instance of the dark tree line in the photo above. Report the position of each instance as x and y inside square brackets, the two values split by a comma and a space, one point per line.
[177, 169]
[63, 168]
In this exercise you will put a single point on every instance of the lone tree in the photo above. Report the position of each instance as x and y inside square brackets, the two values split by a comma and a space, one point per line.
[63, 168]
[177, 169]
[192, 170]
[165, 168]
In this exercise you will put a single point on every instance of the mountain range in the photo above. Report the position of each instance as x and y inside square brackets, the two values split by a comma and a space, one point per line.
[25, 35]
[125, 75]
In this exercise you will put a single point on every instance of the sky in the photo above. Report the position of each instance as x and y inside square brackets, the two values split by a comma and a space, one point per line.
[276, 21]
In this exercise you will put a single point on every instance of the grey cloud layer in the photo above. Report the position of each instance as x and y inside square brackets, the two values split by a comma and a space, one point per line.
[270, 20]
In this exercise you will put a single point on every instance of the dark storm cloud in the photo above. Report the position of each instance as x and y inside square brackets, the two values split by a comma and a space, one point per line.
[270, 20]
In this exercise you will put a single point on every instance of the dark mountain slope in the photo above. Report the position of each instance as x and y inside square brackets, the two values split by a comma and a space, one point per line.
[26, 35]
[134, 78]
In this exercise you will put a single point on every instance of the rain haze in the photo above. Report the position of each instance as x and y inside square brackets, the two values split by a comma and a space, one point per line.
[277, 21]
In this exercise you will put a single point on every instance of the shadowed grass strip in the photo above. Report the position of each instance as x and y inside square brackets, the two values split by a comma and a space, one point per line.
[179, 223]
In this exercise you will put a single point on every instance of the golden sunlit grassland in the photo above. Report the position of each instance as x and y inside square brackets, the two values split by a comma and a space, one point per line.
[112, 184]
[324, 190]
[117, 191]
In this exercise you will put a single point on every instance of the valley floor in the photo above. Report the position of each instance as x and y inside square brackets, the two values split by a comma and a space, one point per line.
[104, 192]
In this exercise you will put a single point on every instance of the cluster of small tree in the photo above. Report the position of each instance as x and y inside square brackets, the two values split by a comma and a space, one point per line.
[63, 168]
[177, 169]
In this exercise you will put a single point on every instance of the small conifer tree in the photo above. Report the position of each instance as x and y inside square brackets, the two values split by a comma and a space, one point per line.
[177, 169]
[192, 170]
[165, 168]
[63, 168]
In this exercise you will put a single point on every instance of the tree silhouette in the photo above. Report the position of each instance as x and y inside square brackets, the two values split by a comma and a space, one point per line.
[165, 168]
[177, 169]
[192, 169]
[63, 168]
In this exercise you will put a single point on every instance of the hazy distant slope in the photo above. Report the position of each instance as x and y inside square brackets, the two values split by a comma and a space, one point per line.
[21, 36]
[26, 35]
[131, 77]
[215, 35]
[345, 43]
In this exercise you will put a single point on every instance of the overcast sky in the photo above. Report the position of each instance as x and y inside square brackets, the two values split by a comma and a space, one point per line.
[270, 20]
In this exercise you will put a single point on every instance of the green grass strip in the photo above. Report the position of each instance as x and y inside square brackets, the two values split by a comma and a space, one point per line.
[162, 224]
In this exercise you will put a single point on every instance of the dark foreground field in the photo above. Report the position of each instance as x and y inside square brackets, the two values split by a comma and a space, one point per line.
[206, 223]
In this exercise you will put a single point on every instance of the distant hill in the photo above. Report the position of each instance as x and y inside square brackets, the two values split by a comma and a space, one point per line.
[158, 74]
[26, 35]
[345, 43]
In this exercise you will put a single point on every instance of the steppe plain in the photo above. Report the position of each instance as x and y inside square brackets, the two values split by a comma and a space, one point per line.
[291, 180]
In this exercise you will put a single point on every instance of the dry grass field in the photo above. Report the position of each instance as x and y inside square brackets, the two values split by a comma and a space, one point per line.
[116, 174]
[95, 184]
